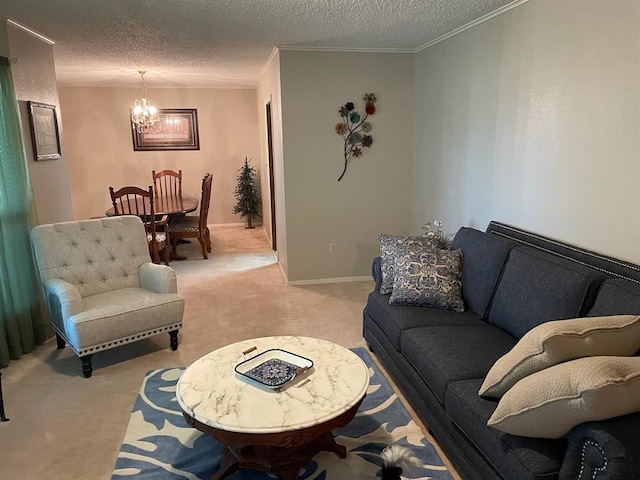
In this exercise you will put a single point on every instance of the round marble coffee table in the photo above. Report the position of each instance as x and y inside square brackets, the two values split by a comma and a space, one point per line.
[276, 431]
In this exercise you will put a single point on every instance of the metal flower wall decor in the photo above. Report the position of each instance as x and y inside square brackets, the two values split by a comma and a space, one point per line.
[355, 129]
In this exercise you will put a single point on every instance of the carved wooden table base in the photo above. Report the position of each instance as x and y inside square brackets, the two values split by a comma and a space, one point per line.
[282, 454]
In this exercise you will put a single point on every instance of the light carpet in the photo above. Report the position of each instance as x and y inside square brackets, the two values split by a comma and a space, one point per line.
[159, 445]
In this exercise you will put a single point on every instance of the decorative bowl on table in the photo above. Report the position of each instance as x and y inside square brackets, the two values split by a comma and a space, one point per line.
[273, 368]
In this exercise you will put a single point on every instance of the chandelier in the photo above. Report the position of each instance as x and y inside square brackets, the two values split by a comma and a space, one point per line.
[144, 117]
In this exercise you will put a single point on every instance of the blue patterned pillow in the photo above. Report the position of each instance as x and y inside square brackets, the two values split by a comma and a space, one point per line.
[388, 246]
[428, 278]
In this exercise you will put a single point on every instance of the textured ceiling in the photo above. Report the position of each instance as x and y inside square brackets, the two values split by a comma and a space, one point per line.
[225, 43]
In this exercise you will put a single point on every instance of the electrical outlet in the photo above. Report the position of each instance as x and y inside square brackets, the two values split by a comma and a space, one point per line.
[333, 248]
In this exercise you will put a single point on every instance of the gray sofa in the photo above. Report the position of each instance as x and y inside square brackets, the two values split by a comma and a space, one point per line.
[512, 281]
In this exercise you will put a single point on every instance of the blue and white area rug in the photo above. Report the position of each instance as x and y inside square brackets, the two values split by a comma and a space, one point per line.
[159, 445]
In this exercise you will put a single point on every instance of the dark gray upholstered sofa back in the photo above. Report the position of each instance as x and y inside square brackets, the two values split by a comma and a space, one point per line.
[483, 260]
[556, 271]
[609, 266]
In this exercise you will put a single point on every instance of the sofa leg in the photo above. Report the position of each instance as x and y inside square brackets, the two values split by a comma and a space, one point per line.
[60, 343]
[173, 340]
[87, 369]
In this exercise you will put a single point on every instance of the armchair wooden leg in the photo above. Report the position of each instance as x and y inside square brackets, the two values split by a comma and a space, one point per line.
[3, 417]
[60, 343]
[173, 340]
[87, 369]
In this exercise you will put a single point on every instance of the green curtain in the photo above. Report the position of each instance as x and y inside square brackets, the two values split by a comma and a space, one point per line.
[22, 324]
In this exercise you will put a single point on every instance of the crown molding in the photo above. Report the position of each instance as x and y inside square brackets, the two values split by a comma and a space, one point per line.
[348, 49]
[24, 28]
[274, 52]
[488, 16]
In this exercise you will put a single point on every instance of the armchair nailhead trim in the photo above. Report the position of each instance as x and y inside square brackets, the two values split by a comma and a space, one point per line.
[130, 339]
[597, 470]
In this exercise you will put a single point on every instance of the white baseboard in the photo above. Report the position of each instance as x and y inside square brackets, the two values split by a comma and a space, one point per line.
[243, 224]
[315, 281]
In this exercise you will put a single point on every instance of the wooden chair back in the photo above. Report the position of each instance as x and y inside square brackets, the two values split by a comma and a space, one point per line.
[205, 200]
[132, 200]
[167, 183]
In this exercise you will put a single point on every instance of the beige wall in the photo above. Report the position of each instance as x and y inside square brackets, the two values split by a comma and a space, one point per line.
[374, 195]
[4, 39]
[34, 79]
[533, 118]
[100, 151]
[268, 91]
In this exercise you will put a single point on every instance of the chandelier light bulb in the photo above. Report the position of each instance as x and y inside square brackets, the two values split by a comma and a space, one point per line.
[144, 116]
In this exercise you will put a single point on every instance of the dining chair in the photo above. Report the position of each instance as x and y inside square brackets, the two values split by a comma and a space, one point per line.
[167, 182]
[137, 201]
[192, 226]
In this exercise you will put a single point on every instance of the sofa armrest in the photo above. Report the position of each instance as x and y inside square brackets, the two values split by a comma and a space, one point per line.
[158, 278]
[376, 272]
[606, 450]
[63, 300]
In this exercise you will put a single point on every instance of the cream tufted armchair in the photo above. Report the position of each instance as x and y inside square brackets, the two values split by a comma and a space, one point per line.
[101, 288]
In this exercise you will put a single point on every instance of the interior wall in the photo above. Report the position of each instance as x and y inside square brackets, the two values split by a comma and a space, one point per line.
[34, 79]
[100, 149]
[4, 39]
[533, 119]
[374, 195]
[268, 91]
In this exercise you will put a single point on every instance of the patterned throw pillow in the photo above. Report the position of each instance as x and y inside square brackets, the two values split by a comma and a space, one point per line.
[388, 246]
[428, 278]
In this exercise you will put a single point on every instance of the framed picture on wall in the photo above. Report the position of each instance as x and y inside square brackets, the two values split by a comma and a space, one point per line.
[44, 131]
[176, 130]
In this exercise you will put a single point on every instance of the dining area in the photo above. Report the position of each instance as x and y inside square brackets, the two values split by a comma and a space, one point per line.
[167, 213]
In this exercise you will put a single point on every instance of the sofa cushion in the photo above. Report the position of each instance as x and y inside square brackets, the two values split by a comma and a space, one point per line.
[388, 248]
[558, 341]
[484, 256]
[549, 403]
[110, 316]
[444, 354]
[428, 277]
[515, 457]
[537, 287]
[393, 319]
[617, 296]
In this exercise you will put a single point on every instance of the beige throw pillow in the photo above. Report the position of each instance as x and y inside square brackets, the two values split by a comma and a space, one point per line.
[548, 404]
[558, 341]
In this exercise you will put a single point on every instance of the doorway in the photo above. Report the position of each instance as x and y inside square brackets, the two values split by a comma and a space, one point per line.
[272, 190]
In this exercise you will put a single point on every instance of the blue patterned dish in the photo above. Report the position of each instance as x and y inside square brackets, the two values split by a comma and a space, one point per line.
[273, 368]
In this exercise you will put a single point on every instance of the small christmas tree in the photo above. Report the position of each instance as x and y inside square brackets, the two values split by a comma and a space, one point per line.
[246, 194]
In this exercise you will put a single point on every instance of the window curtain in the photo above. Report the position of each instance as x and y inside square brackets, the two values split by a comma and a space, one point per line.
[22, 324]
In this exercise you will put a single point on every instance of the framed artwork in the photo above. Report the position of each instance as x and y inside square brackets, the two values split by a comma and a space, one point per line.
[177, 130]
[44, 131]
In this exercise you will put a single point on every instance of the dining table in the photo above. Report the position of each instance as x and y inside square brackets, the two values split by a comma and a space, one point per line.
[170, 205]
